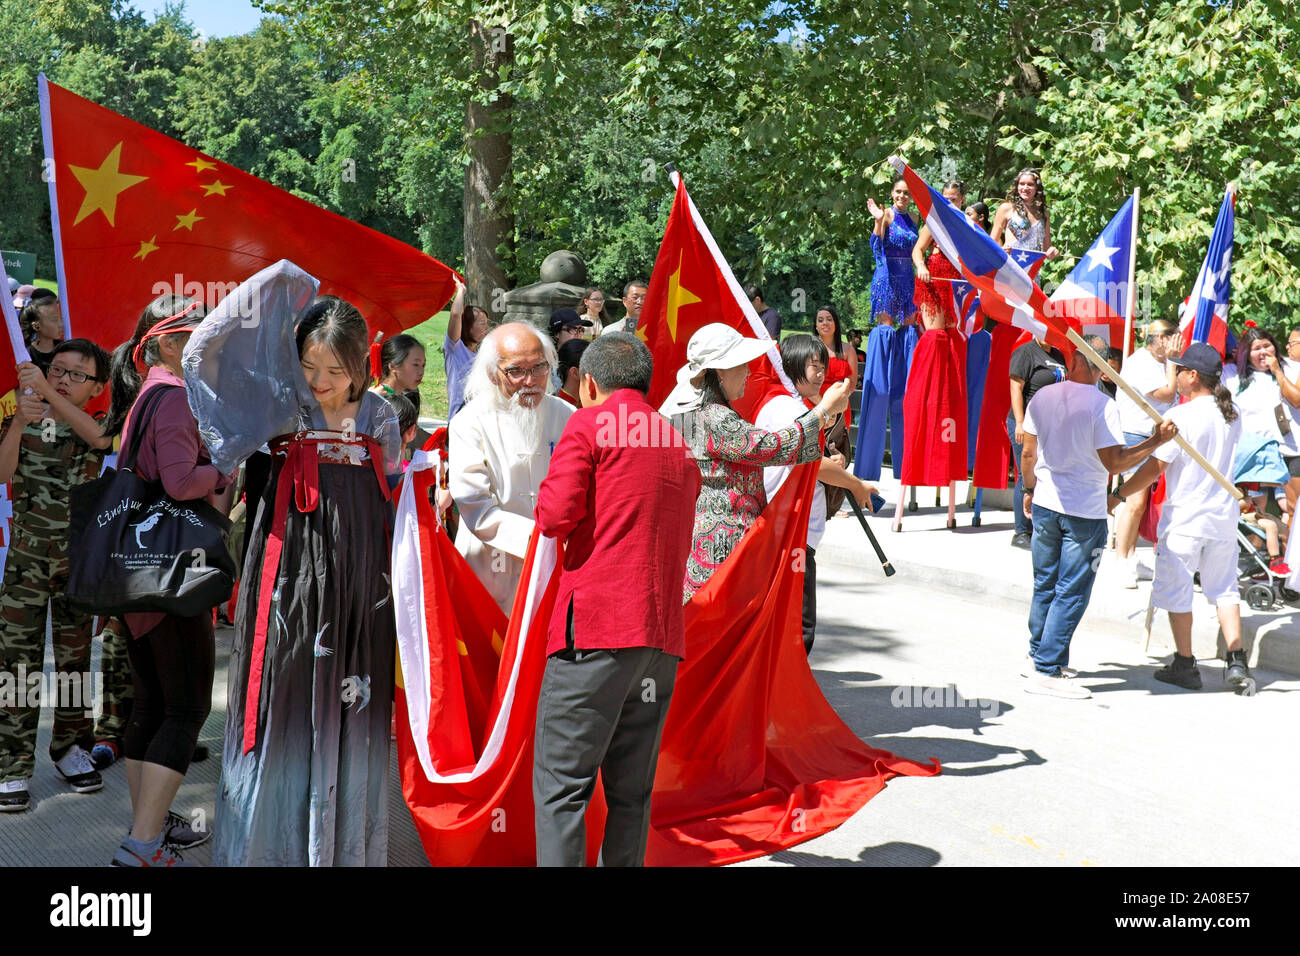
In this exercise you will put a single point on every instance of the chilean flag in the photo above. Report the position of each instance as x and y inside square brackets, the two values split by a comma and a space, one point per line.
[1007, 292]
[1097, 292]
[1208, 303]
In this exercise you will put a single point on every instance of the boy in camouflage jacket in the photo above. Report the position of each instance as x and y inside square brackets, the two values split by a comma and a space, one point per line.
[48, 446]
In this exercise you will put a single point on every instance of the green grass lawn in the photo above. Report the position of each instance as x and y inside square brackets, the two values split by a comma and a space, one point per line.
[433, 390]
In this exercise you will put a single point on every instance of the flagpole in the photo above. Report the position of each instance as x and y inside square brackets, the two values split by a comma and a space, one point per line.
[1132, 276]
[746, 307]
[1140, 400]
[16, 340]
[47, 139]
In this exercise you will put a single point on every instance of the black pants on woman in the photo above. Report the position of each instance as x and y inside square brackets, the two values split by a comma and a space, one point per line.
[172, 668]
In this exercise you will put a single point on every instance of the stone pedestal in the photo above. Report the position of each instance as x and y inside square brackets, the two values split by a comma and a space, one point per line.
[562, 282]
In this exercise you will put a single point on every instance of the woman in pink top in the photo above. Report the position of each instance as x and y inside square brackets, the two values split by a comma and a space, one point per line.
[172, 657]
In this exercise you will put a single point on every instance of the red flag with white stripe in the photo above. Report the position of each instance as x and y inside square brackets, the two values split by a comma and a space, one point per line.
[691, 286]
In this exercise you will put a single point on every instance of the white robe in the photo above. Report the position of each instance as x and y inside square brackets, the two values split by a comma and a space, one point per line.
[494, 481]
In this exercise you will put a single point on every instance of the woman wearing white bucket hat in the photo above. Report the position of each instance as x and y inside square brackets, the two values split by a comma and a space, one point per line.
[730, 451]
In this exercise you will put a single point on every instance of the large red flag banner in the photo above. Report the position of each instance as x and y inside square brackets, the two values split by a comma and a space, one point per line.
[137, 214]
[753, 757]
[691, 286]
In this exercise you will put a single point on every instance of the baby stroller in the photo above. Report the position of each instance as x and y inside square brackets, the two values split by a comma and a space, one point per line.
[1262, 587]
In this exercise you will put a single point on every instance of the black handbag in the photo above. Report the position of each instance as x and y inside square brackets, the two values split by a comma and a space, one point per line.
[132, 547]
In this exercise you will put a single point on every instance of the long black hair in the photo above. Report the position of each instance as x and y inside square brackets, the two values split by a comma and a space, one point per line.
[1222, 397]
[837, 346]
[124, 378]
[1242, 356]
[395, 351]
[1040, 196]
[337, 325]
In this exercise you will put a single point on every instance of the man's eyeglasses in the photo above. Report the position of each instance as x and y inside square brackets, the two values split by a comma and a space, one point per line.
[518, 375]
[73, 376]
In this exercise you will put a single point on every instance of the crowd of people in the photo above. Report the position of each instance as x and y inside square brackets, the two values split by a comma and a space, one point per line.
[304, 778]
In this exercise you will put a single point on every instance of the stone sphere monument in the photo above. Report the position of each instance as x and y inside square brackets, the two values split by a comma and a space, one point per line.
[562, 280]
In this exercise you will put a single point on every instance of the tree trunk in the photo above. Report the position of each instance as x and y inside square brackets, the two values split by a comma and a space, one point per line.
[489, 219]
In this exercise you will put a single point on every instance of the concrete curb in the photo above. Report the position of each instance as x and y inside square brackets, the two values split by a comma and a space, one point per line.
[1271, 639]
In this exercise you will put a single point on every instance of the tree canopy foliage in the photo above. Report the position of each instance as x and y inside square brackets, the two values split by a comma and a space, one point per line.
[781, 116]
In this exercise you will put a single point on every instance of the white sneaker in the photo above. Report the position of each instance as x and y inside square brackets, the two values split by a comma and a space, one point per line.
[1141, 571]
[14, 796]
[1129, 572]
[1057, 685]
[79, 770]
[1029, 670]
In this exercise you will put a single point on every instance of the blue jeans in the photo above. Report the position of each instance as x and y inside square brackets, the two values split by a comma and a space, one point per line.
[1066, 551]
[1018, 491]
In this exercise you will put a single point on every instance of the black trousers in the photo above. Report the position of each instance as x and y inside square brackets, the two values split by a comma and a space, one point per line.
[601, 710]
[172, 668]
[810, 600]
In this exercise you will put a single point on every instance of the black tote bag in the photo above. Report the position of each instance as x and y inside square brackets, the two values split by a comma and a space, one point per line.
[132, 547]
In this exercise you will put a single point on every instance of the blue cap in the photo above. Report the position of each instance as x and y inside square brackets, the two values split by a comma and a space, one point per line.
[1202, 357]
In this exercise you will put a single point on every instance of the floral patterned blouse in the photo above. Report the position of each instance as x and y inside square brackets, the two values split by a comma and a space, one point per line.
[731, 454]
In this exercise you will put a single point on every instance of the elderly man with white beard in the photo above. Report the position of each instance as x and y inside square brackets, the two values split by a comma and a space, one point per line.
[499, 450]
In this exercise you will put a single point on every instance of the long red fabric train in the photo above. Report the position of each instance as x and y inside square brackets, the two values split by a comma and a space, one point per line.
[753, 758]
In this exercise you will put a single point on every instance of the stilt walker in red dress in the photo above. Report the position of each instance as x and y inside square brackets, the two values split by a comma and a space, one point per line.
[935, 429]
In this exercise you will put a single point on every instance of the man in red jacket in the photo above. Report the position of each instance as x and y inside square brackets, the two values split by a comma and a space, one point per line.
[621, 494]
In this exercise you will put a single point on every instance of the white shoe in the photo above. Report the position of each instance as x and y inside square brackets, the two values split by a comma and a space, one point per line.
[1129, 572]
[1056, 685]
[79, 771]
[14, 797]
[1029, 670]
[1141, 571]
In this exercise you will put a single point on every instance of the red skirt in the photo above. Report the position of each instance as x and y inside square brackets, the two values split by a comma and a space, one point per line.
[927, 295]
[934, 411]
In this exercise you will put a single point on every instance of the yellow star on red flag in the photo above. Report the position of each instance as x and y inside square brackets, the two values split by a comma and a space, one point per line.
[188, 220]
[216, 186]
[103, 185]
[200, 164]
[146, 246]
[678, 296]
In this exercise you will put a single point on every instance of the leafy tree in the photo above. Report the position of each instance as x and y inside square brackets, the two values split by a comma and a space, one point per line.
[1183, 99]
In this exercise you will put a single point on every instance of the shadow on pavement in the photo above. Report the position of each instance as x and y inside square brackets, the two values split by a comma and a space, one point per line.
[1142, 677]
[887, 854]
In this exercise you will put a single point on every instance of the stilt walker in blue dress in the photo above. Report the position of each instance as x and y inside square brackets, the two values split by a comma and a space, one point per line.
[885, 376]
[878, 371]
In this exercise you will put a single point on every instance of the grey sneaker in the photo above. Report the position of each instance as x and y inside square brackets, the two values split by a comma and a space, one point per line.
[1056, 685]
[1029, 670]
[14, 796]
[164, 855]
[179, 833]
[78, 769]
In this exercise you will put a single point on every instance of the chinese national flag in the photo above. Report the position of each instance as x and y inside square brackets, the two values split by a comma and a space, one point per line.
[691, 286]
[137, 214]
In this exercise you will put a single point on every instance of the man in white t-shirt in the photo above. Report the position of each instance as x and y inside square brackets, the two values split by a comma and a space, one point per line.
[1073, 443]
[633, 301]
[1148, 373]
[804, 359]
[1199, 517]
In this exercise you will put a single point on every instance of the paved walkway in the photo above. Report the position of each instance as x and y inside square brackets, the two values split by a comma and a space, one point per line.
[980, 562]
[1140, 774]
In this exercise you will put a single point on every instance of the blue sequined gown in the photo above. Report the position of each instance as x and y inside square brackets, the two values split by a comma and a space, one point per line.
[893, 282]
